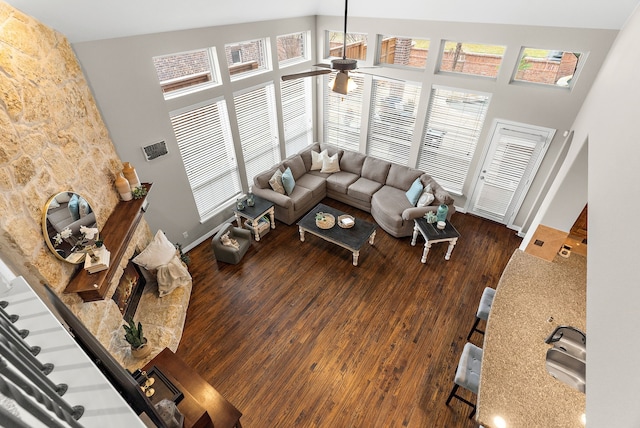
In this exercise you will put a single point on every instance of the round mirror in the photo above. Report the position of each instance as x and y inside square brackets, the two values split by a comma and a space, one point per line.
[69, 226]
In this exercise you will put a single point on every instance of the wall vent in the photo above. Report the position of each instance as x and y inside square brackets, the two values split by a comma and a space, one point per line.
[156, 150]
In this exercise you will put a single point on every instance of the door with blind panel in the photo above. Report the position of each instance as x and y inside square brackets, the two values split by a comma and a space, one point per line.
[511, 162]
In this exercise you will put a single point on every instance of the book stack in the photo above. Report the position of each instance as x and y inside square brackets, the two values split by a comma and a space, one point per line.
[102, 263]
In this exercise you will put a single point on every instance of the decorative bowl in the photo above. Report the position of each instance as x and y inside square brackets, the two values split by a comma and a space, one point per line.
[441, 224]
[346, 221]
[325, 221]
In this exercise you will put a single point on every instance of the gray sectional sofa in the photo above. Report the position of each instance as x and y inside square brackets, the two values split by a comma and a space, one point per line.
[364, 182]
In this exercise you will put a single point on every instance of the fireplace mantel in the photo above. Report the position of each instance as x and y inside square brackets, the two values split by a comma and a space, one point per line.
[116, 233]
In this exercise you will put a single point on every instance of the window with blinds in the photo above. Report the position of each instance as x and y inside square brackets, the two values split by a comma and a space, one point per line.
[454, 122]
[297, 111]
[392, 119]
[204, 139]
[258, 126]
[342, 114]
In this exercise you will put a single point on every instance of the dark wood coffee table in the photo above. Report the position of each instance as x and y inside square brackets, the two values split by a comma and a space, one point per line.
[432, 235]
[352, 239]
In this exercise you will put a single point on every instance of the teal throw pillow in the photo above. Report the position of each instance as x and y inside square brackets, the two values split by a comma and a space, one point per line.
[287, 181]
[414, 191]
[74, 207]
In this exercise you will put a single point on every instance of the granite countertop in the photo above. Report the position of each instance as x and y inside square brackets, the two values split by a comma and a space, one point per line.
[514, 383]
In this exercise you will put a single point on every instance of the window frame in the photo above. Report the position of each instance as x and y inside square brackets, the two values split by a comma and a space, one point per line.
[254, 142]
[383, 132]
[327, 38]
[297, 122]
[570, 83]
[306, 49]
[264, 64]
[461, 150]
[214, 72]
[441, 56]
[354, 101]
[379, 41]
[214, 179]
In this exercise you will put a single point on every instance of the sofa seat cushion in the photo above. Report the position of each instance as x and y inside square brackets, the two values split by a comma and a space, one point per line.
[301, 197]
[340, 181]
[323, 175]
[389, 203]
[363, 189]
[316, 184]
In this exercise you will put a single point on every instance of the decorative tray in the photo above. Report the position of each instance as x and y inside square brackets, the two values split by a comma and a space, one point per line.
[325, 221]
[346, 221]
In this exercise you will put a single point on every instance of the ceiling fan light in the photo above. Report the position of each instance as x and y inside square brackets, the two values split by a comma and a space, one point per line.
[343, 84]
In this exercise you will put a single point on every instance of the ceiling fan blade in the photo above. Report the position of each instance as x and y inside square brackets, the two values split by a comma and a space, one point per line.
[322, 65]
[305, 74]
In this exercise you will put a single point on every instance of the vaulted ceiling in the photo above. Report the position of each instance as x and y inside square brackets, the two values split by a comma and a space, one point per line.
[85, 20]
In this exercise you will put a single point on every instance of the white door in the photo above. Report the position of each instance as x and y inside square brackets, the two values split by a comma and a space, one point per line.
[511, 162]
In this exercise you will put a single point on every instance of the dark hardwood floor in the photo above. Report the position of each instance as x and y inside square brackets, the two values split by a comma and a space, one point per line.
[296, 336]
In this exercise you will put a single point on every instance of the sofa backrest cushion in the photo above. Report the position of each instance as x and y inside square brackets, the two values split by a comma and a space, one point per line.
[376, 170]
[262, 180]
[401, 177]
[352, 162]
[305, 154]
[442, 196]
[297, 166]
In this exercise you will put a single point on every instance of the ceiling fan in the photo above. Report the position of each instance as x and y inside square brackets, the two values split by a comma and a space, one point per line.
[342, 83]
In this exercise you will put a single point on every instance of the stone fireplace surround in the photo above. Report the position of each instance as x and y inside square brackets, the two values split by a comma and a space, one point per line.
[54, 139]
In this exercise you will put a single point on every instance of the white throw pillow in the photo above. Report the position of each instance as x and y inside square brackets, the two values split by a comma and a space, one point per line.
[330, 163]
[316, 159]
[171, 276]
[158, 253]
[276, 182]
[426, 198]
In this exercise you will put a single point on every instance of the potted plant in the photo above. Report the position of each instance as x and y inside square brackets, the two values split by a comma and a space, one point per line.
[135, 337]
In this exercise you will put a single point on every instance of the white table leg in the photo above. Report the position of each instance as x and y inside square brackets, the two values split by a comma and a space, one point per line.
[372, 238]
[356, 254]
[427, 247]
[452, 244]
[301, 234]
[257, 234]
[239, 220]
[272, 217]
[415, 235]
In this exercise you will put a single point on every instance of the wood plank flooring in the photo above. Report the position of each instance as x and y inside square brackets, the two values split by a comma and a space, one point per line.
[296, 336]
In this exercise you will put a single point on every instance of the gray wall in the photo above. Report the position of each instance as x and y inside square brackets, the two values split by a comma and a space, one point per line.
[123, 79]
[606, 127]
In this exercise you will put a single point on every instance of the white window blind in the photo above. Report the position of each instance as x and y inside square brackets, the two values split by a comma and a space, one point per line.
[342, 114]
[204, 139]
[257, 123]
[392, 119]
[454, 123]
[297, 110]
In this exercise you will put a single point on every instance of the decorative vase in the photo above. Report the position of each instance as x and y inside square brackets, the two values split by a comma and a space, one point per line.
[239, 204]
[123, 187]
[250, 200]
[131, 175]
[443, 210]
[142, 351]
